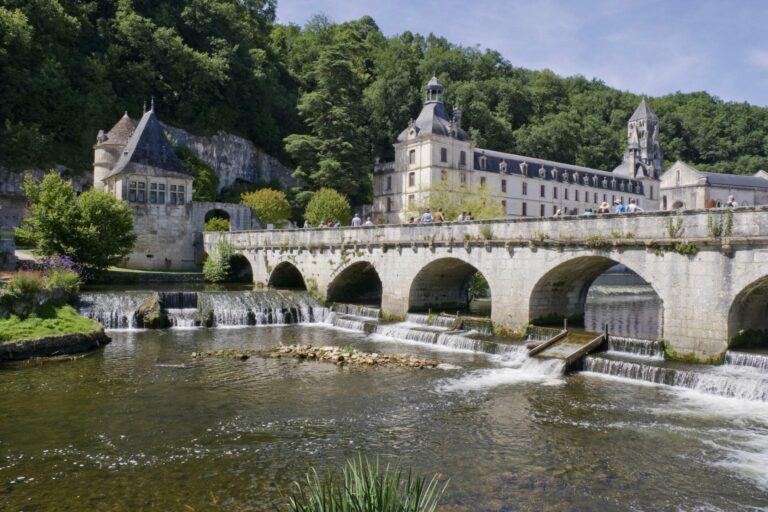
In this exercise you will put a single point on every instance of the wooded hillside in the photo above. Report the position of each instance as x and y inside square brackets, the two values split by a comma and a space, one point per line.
[326, 98]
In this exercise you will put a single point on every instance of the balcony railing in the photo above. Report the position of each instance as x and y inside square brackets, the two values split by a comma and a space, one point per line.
[384, 167]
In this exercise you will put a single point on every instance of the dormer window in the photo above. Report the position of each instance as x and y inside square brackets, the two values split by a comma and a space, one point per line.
[483, 161]
[503, 166]
[524, 168]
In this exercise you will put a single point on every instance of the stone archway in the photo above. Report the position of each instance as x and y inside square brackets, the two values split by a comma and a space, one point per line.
[217, 213]
[748, 316]
[442, 285]
[287, 276]
[358, 283]
[562, 293]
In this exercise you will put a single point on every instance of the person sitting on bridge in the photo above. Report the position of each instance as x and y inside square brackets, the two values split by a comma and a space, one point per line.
[439, 216]
[461, 217]
[558, 213]
[427, 217]
[632, 207]
[619, 208]
[604, 208]
[588, 213]
[732, 202]
[306, 224]
[368, 222]
[357, 221]
[337, 224]
[469, 216]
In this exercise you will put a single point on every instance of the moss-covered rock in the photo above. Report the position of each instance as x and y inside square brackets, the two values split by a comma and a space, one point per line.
[150, 314]
[53, 345]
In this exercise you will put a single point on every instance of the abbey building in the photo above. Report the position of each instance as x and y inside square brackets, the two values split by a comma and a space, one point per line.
[135, 163]
[435, 153]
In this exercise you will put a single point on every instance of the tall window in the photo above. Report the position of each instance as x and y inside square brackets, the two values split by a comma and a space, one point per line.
[389, 204]
[389, 182]
[504, 206]
[503, 185]
[651, 192]
[542, 192]
[554, 192]
[412, 156]
[462, 159]
[483, 161]
[554, 209]
[525, 189]
[565, 194]
[411, 201]
[576, 195]
[525, 209]
[411, 179]
[153, 193]
[132, 191]
[541, 210]
[482, 181]
[443, 155]
[177, 194]
[161, 193]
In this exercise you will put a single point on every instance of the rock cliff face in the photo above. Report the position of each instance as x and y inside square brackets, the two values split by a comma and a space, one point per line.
[233, 158]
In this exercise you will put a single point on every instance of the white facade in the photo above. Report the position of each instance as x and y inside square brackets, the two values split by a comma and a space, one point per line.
[435, 154]
[685, 187]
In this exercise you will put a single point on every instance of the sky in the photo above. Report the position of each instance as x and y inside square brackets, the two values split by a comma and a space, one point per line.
[651, 47]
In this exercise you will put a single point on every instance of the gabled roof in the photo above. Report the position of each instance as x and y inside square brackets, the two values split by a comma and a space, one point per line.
[643, 111]
[725, 180]
[149, 153]
[121, 133]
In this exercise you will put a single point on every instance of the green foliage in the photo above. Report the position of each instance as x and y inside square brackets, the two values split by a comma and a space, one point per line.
[67, 281]
[270, 205]
[685, 248]
[478, 287]
[217, 266]
[366, 487]
[598, 242]
[234, 193]
[673, 227]
[23, 288]
[327, 205]
[48, 320]
[486, 232]
[750, 338]
[217, 224]
[94, 229]
[206, 180]
[464, 199]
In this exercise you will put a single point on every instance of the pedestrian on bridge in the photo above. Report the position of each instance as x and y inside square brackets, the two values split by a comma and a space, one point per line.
[427, 217]
[357, 221]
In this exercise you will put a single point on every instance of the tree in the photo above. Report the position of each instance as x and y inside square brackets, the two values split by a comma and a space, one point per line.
[271, 206]
[327, 205]
[94, 229]
[217, 224]
[465, 199]
[206, 180]
[217, 266]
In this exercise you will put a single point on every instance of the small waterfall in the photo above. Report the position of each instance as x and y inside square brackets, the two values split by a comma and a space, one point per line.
[178, 300]
[461, 340]
[647, 349]
[233, 309]
[112, 310]
[442, 321]
[759, 361]
[182, 318]
[348, 322]
[403, 332]
[712, 380]
[355, 310]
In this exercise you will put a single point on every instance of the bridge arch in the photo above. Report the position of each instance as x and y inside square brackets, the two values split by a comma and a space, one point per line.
[287, 276]
[357, 283]
[443, 284]
[562, 291]
[748, 315]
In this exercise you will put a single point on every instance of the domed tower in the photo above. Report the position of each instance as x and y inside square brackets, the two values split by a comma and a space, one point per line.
[108, 148]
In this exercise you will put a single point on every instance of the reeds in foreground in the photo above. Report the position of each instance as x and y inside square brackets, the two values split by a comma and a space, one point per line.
[366, 487]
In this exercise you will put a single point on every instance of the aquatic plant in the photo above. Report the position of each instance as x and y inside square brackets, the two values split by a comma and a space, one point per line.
[366, 487]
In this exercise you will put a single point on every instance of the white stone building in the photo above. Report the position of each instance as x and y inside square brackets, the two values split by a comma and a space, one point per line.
[434, 152]
[135, 163]
[685, 187]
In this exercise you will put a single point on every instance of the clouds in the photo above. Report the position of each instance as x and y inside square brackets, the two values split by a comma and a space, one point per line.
[654, 47]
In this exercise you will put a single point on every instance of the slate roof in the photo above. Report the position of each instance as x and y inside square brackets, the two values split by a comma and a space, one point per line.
[534, 167]
[121, 133]
[149, 153]
[643, 111]
[735, 180]
[433, 120]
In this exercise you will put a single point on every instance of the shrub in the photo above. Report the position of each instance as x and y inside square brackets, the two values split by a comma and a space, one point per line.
[271, 206]
[217, 224]
[366, 487]
[217, 267]
[327, 205]
[65, 280]
[23, 293]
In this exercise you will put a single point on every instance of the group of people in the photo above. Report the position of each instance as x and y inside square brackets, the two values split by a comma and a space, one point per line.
[438, 216]
[618, 207]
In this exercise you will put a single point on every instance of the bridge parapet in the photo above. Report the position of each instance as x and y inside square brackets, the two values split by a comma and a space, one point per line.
[718, 226]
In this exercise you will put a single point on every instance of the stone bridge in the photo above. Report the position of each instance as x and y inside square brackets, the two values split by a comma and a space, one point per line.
[709, 268]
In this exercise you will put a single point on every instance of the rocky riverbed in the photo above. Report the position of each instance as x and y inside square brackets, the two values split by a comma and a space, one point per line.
[328, 354]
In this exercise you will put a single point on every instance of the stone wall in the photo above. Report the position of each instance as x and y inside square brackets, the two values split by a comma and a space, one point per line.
[233, 158]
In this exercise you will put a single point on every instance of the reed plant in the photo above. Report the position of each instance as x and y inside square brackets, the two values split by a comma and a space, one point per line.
[366, 487]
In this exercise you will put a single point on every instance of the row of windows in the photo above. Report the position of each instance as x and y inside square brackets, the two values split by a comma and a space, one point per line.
[443, 157]
[137, 193]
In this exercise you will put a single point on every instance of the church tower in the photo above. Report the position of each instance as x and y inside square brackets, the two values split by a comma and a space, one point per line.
[644, 154]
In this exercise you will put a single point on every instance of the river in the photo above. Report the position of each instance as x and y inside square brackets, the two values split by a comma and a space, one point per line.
[141, 425]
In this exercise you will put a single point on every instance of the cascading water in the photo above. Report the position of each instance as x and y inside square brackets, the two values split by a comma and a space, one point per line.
[713, 380]
[633, 347]
[235, 309]
[182, 318]
[759, 361]
[355, 310]
[112, 310]
[442, 321]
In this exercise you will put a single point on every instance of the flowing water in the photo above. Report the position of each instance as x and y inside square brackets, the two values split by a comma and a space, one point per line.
[141, 425]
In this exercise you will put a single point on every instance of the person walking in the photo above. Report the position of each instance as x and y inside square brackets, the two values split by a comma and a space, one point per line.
[357, 221]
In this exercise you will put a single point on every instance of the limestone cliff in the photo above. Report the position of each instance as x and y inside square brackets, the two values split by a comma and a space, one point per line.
[233, 158]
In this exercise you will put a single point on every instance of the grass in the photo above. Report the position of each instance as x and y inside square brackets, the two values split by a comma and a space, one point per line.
[366, 487]
[49, 320]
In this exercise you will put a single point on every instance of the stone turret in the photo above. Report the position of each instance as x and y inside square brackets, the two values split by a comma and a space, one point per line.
[644, 157]
[108, 148]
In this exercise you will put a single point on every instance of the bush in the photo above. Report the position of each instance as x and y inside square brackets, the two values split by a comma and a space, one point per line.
[217, 224]
[327, 205]
[271, 206]
[65, 280]
[365, 487]
[217, 267]
[23, 293]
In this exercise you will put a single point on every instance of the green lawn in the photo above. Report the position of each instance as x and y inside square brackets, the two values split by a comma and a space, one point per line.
[48, 321]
